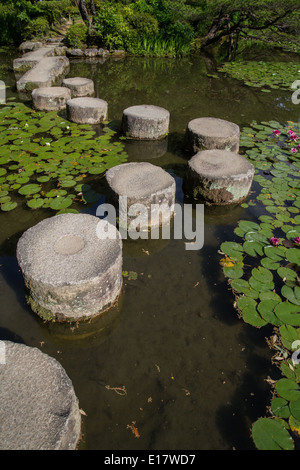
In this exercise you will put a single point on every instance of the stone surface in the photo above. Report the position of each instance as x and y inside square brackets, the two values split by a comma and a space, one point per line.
[70, 273]
[91, 52]
[28, 46]
[208, 133]
[50, 98]
[219, 177]
[44, 74]
[30, 59]
[145, 122]
[142, 183]
[39, 408]
[79, 86]
[87, 110]
[74, 52]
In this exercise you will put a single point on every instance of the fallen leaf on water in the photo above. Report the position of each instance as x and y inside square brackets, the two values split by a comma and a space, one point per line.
[134, 429]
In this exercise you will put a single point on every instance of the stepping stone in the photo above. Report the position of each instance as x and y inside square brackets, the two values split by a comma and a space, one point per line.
[145, 122]
[44, 74]
[87, 110]
[39, 408]
[30, 59]
[50, 98]
[79, 86]
[219, 177]
[28, 46]
[146, 184]
[209, 133]
[70, 273]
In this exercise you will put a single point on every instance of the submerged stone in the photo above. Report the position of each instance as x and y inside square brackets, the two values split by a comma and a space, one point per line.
[145, 122]
[79, 86]
[211, 133]
[39, 408]
[149, 193]
[87, 110]
[219, 177]
[70, 273]
[50, 98]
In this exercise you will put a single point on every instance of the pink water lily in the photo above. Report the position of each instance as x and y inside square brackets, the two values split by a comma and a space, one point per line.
[276, 132]
[294, 137]
[274, 241]
[294, 150]
[290, 132]
[296, 240]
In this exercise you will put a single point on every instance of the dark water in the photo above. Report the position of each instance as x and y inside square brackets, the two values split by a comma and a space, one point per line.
[172, 356]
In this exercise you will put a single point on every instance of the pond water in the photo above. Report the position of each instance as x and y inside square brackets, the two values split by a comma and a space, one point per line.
[172, 356]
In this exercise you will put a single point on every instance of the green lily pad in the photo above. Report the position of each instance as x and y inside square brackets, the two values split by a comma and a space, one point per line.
[271, 434]
[29, 189]
[288, 389]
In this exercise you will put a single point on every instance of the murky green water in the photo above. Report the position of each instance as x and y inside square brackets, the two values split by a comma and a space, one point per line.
[172, 356]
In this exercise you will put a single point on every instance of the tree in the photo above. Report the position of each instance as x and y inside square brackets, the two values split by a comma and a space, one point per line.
[231, 18]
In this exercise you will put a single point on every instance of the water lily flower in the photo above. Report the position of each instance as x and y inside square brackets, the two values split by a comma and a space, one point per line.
[276, 132]
[296, 240]
[294, 150]
[298, 146]
[274, 241]
[294, 137]
[290, 132]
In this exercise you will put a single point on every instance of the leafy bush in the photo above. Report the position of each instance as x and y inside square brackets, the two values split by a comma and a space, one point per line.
[54, 10]
[37, 28]
[76, 35]
[111, 27]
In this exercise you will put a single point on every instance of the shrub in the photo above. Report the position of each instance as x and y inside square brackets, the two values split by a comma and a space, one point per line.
[111, 28]
[76, 35]
[37, 28]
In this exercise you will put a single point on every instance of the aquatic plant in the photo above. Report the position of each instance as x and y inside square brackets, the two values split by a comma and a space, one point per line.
[264, 270]
[269, 75]
[48, 161]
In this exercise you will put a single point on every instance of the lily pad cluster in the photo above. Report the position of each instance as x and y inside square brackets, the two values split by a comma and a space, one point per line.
[47, 161]
[265, 75]
[263, 269]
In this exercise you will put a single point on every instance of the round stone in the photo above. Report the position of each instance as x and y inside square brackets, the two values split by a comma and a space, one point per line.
[70, 272]
[143, 191]
[79, 86]
[50, 98]
[212, 133]
[145, 122]
[219, 177]
[39, 408]
[87, 110]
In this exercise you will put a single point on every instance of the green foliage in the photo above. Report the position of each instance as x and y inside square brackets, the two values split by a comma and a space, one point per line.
[54, 10]
[37, 28]
[269, 293]
[76, 35]
[47, 162]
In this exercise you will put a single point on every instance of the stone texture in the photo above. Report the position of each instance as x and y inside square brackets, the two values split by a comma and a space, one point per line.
[142, 183]
[29, 46]
[91, 52]
[219, 177]
[30, 59]
[209, 133]
[74, 52]
[70, 273]
[39, 409]
[87, 110]
[44, 74]
[145, 122]
[79, 86]
[50, 98]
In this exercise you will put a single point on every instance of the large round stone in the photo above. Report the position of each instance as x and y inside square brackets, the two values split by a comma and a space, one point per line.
[142, 190]
[39, 408]
[219, 177]
[79, 86]
[212, 133]
[87, 110]
[146, 122]
[70, 272]
[50, 98]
